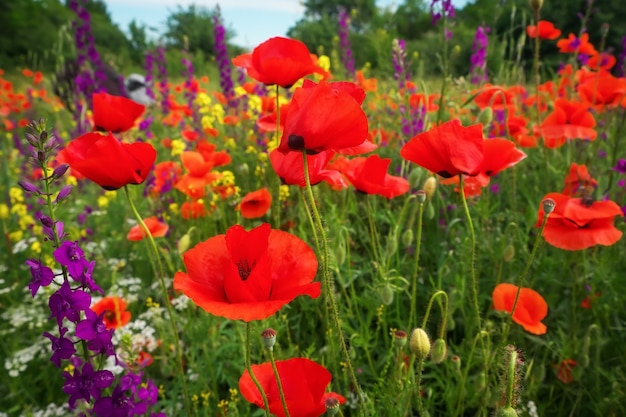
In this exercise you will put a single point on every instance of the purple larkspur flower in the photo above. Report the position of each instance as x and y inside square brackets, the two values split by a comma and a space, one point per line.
[71, 256]
[116, 405]
[95, 332]
[62, 347]
[347, 57]
[620, 166]
[42, 276]
[69, 303]
[86, 278]
[86, 384]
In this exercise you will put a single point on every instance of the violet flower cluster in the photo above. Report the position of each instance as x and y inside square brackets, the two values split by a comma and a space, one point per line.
[97, 392]
[412, 117]
[190, 88]
[445, 11]
[161, 64]
[478, 60]
[149, 68]
[347, 59]
[222, 59]
[621, 60]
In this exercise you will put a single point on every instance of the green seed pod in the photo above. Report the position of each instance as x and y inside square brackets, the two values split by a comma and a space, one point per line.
[407, 238]
[430, 211]
[415, 177]
[419, 343]
[392, 245]
[506, 412]
[439, 351]
[536, 4]
[509, 252]
[387, 294]
[486, 116]
[269, 338]
[183, 244]
[340, 252]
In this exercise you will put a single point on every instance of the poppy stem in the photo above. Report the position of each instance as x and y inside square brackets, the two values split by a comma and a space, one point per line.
[254, 379]
[280, 384]
[418, 248]
[444, 312]
[166, 300]
[276, 208]
[327, 283]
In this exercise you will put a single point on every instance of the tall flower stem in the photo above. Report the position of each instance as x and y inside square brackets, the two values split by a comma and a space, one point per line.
[280, 384]
[276, 208]
[536, 71]
[444, 312]
[327, 284]
[249, 368]
[444, 60]
[166, 300]
[418, 247]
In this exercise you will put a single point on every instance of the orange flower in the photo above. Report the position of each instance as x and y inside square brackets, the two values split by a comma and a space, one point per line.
[199, 174]
[602, 61]
[531, 308]
[193, 210]
[114, 309]
[544, 29]
[155, 226]
[578, 180]
[569, 120]
[602, 89]
[255, 204]
[564, 370]
[577, 224]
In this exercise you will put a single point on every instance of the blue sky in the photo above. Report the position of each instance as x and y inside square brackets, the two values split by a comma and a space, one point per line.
[253, 20]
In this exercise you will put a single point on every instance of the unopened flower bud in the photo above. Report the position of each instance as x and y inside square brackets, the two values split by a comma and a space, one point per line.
[506, 412]
[41, 156]
[407, 237]
[269, 338]
[430, 211]
[485, 116]
[60, 171]
[419, 343]
[387, 294]
[415, 177]
[508, 253]
[456, 361]
[439, 351]
[548, 205]
[421, 196]
[399, 338]
[32, 140]
[340, 252]
[430, 186]
[46, 221]
[29, 187]
[536, 4]
[183, 243]
[65, 191]
[392, 245]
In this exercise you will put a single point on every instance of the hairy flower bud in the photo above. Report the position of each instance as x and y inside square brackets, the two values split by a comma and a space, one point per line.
[387, 294]
[485, 116]
[439, 351]
[508, 253]
[407, 237]
[506, 412]
[419, 343]
[430, 186]
[536, 4]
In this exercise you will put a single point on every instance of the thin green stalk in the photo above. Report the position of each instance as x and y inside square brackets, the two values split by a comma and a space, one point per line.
[418, 247]
[373, 233]
[280, 384]
[327, 284]
[466, 373]
[249, 368]
[276, 208]
[444, 312]
[168, 305]
[536, 70]
[510, 389]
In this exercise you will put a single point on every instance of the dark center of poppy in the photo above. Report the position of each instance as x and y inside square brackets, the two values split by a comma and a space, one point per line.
[295, 142]
[244, 268]
[109, 315]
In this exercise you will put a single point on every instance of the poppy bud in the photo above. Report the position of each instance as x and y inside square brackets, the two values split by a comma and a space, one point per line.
[536, 4]
[548, 205]
[485, 116]
[340, 252]
[419, 343]
[415, 177]
[183, 244]
[399, 338]
[269, 338]
[439, 351]
[386, 294]
[430, 186]
[456, 361]
[509, 252]
[506, 412]
[392, 244]
[407, 237]
[481, 382]
[430, 212]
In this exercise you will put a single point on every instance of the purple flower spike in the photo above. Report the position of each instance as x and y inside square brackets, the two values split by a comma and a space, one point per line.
[86, 384]
[70, 255]
[29, 187]
[68, 303]
[96, 333]
[65, 191]
[42, 276]
[117, 405]
[620, 166]
[62, 347]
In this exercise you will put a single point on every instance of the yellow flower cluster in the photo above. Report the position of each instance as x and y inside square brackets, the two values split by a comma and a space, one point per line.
[19, 208]
[283, 193]
[178, 147]
[212, 113]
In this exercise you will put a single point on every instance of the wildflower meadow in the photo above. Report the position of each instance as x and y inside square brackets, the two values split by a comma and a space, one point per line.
[295, 234]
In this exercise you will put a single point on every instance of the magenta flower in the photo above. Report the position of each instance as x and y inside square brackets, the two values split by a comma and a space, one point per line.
[71, 256]
[62, 347]
[86, 384]
[42, 276]
[68, 303]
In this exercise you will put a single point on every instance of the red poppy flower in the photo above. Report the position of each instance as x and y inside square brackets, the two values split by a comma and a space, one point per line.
[199, 174]
[114, 309]
[602, 61]
[304, 384]
[255, 204]
[544, 29]
[575, 224]
[531, 308]
[289, 167]
[324, 116]
[108, 162]
[499, 154]
[602, 90]
[574, 44]
[156, 227]
[370, 176]
[449, 149]
[569, 120]
[578, 180]
[248, 275]
[193, 210]
[564, 370]
[114, 113]
[281, 61]
[587, 302]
